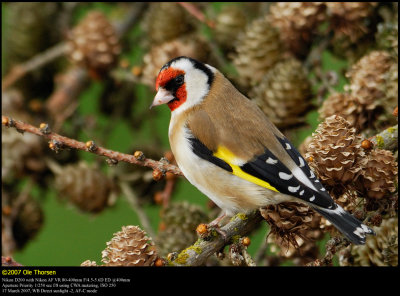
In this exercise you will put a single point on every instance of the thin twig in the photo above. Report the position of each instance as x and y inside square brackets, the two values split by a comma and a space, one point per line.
[8, 261]
[133, 200]
[64, 100]
[58, 142]
[333, 246]
[197, 13]
[18, 71]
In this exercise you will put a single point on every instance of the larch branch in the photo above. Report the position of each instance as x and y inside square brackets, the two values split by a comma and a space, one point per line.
[238, 226]
[387, 139]
[58, 142]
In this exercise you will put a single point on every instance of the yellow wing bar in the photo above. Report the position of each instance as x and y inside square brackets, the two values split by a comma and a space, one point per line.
[227, 156]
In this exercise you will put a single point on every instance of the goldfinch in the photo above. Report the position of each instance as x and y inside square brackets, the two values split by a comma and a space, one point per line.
[227, 148]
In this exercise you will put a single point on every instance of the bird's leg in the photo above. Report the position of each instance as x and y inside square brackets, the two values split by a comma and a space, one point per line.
[215, 225]
[216, 221]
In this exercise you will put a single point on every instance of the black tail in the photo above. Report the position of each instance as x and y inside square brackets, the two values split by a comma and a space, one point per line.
[352, 228]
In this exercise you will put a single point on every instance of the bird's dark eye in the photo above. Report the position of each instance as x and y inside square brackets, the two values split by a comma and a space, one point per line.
[179, 80]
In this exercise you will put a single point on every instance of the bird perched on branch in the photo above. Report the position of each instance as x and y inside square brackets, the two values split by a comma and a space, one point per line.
[227, 148]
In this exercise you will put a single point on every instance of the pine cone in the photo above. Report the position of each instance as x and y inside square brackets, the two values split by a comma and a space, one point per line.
[348, 18]
[188, 45]
[348, 200]
[350, 23]
[94, 44]
[165, 21]
[174, 239]
[21, 153]
[346, 106]
[89, 263]
[379, 250]
[30, 28]
[28, 222]
[129, 247]
[179, 222]
[367, 77]
[229, 23]
[391, 90]
[186, 215]
[293, 225]
[84, 186]
[378, 174]
[297, 23]
[335, 153]
[284, 94]
[387, 36]
[258, 50]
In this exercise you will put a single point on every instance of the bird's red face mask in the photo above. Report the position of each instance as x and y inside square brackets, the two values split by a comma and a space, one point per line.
[171, 88]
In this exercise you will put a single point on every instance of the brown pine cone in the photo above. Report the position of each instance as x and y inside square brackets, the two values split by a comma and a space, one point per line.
[21, 153]
[29, 29]
[335, 152]
[89, 263]
[84, 186]
[293, 225]
[258, 49]
[165, 21]
[349, 18]
[346, 106]
[379, 250]
[367, 77]
[352, 27]
[348, 200]
[387, 35]
[129, 247]
[179, 222]
[94, 44]
[378, 175]
[229, 23]
[28, 222]
[391, 90]
[284, 94]
[297, 23]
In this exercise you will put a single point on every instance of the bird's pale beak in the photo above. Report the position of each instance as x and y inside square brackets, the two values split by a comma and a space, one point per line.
[162, 97]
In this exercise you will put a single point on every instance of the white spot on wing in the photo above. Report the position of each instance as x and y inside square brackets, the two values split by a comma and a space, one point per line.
[312, 176]
[271, 161]
[302, 192]
[339, 210]
[293, 189]
[285, 176]
[288, 146]
[359, 232]
[312, 198]
[365, 228]
[301, 161]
